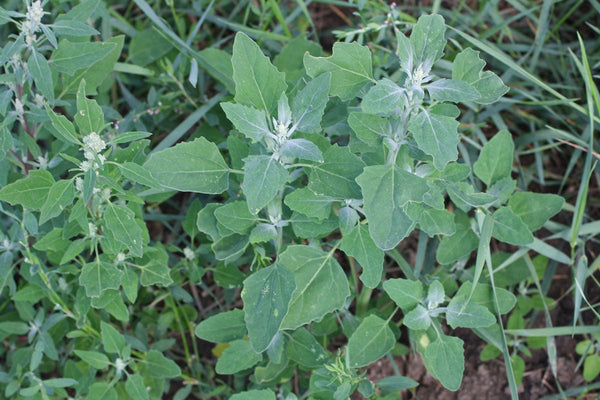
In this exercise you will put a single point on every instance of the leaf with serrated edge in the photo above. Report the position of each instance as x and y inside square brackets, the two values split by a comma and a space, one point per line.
[312, 205]
[98, 276]
[264, 177]
[248, 120]
[509, 228]
[469, 315]
[60, 195]
[309, 104]
[322, 286]
[121, 228]
[436, 135]
[30, 192]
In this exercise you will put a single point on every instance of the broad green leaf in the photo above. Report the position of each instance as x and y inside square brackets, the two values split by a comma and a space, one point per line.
[148, 46]
[195, 166]
[127, 137]
[60, 382]
[435, 294]
[591, 367]
[386, 189]
[263, 233]
[369, 128]
[264, 394]
[370, 341]
[89, 117]
[30, 192]
[266, 297]
[237, 357]
[99, 276]
[229, 248]
[427, 39]
[236, 217]
[6, 276]
[535, 209]
[136, 388]
[385, 98]
[495, 159]
[223, 327]
[155, 267]
[136, 173]
[469, 315]
[468, 67]
[67, 27]
[509, 228]
[432, 221]
[263, 179]
[418, 318]
[111, 301]
[112, 340]
[248, 120]
[72, 56]
[358, 244]
[484, 296]
[14, 328]
[392, 383]
[93, 358]
[218, 64]
[95, 73]
[160, 367]
[302, 149]
[335, 176]
[228, 275]
[60, 195]
[206, 221]
[436, 135]
[463, 195]
[350, 67]
[306, 227]
[321, 285]
[309, 104]
[290, 57]
[101, 391]
[405, 292]
[305, 350]
[52, 240]
[42, 76]
[257, 82]
[122, 230]
[445, 360]
[348, 217]
[130, 283]
[63, 128]
[452, 90]
[305, 201]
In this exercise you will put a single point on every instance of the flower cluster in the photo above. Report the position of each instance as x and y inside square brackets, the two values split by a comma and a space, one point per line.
[92, 146]
[33, 21]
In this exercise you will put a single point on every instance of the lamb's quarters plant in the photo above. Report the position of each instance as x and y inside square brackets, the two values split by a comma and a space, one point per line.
[329, 163]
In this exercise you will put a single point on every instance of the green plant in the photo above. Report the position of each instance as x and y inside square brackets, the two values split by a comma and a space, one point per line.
[313, 167]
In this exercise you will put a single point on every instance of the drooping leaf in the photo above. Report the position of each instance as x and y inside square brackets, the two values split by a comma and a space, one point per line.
[350, 67]
[370, 341]
[496, 158]
[359, 244]
[386, 189]
[404, 292]
[509, 228]
[257, 82]
[99, 276]
[237, 357]
[535, 209]
[266, 297]
[30, 192]
[263, 179]
[436, 135]
[223, 327]
[195, 166]
[248, 120]
[321, 285]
